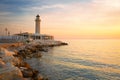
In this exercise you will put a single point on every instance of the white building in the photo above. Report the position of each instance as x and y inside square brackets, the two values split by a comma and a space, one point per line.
[27, 36]
[37, 35]
[11, 39]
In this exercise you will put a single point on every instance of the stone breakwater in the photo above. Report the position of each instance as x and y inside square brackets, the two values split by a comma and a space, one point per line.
[12, 60]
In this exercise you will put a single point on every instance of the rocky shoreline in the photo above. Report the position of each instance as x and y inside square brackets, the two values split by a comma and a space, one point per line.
[12, 60]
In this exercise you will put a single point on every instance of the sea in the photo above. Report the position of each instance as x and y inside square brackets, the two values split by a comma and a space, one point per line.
[82, 59]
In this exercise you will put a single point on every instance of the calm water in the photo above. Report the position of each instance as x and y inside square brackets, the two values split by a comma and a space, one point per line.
[81, 60]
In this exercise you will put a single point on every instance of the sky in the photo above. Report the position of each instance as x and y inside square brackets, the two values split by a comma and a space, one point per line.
[69, 19]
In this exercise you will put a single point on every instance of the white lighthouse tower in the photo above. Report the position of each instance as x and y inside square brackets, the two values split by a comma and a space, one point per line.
[37, 24]
[37, 35]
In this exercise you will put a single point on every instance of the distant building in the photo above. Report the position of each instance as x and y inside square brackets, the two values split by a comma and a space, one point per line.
[11, 39]
[27, 36]
[32, 36]
[37, 35]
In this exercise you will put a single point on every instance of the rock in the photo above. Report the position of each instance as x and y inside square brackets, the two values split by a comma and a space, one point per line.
[7, 56]
[14, 61]
[10, 72]
[63, 43]
[37, 55]
[35, 74]
[24, 64]
[2, 64]
[27, 73]
[8, 61]
[51, 45]
[5, 52]
[27, 79]
[39, 77]
[7, 66]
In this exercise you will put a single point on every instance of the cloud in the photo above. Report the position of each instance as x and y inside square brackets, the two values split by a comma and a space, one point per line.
[92, 13]
[50, 6]
[76, 16]
[108, 3]
[44, 7]
[5, 13]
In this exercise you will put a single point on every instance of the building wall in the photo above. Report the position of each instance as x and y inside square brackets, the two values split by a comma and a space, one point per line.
[11, 39]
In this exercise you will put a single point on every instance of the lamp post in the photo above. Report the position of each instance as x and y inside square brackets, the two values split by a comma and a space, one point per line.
[6, 31]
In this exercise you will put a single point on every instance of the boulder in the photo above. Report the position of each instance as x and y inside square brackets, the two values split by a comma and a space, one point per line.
[10, 72]
[27, 73]
[2, 64]
[7, 56]
[39, 77]
[37, 55]
[5, 52]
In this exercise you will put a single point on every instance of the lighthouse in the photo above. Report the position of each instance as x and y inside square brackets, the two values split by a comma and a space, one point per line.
[37, 35]
[37, 24]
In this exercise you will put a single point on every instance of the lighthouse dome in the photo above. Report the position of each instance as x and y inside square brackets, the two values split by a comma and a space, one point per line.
[37, 16]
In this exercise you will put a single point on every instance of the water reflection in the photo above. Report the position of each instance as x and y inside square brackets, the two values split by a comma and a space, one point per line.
[82, 60]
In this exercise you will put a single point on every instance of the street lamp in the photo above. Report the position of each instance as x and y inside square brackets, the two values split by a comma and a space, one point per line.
[6, 31]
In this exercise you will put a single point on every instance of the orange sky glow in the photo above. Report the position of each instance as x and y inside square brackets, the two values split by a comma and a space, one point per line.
[94, 19]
